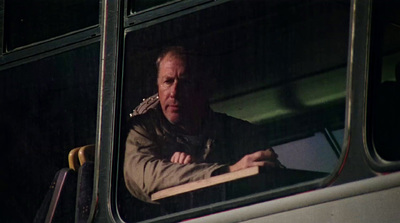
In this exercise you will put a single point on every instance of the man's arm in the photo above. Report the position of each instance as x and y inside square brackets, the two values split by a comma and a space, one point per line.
[262, 158]
[146, 172]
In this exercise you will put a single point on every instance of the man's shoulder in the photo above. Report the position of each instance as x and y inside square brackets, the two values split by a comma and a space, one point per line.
[150, 118]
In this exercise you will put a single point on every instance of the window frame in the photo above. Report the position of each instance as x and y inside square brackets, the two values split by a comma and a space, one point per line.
[48, 46]
[166, 9]
[220, 206]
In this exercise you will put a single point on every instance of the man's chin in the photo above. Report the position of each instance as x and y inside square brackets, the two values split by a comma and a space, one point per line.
[173, 118]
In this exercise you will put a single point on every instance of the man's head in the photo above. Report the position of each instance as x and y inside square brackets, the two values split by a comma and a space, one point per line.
[182, 87]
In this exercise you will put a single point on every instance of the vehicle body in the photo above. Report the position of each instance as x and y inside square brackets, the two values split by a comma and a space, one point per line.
[311, 77]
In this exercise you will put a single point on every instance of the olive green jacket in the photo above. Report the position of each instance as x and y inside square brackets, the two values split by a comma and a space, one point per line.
[152, 141]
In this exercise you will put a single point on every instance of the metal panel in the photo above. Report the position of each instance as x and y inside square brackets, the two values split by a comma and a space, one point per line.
[107, 99]
[371, 200]
[374, 207]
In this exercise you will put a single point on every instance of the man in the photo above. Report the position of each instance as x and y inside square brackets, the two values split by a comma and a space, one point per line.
[182, 139]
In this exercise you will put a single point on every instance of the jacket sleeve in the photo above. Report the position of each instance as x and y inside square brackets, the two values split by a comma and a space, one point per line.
[146, 172]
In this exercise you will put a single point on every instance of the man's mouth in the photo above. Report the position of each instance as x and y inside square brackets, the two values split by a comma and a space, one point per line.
[174, 106]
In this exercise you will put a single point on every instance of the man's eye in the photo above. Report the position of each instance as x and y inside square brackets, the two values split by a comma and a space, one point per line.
[169, 81]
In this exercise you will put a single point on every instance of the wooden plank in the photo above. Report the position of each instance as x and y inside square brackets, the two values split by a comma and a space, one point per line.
[192, 186]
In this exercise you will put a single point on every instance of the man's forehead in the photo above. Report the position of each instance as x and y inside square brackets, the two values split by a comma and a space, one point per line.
[170, 67]
[192, 65]
[177, 58]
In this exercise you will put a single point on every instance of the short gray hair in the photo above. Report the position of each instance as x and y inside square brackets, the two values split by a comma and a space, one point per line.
[177, 51]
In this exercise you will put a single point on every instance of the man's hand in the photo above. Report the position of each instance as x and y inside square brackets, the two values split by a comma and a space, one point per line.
[181, 157]
[260, 158]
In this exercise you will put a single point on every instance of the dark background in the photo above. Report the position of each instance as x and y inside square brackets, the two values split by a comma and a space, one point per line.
[48, 96]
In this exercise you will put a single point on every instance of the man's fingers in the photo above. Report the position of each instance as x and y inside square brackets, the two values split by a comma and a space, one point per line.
[271, 153]
[268, 154]
[174, 157]
[181, 157]
[264, 158]
[187, 160]
[263, 164]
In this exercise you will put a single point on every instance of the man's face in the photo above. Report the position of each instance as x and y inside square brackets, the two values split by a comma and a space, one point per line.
[181, 101]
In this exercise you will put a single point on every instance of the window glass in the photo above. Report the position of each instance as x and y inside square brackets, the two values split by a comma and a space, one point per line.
[338, 134]
[140, 5]
[49, 106]
[385, 81]
[316, 150]
[280, 66]
[27, 22]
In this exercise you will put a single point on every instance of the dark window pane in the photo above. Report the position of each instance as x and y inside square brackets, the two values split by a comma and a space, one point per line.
[140, 5]
[48, 107]
[27, 22]
[385, 80]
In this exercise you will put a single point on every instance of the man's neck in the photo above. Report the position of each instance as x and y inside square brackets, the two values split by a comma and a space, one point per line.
[191, 128]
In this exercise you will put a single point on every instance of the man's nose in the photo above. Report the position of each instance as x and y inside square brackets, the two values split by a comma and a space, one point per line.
[175, 89]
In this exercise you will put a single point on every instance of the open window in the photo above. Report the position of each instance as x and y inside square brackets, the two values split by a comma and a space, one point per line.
[280, 65]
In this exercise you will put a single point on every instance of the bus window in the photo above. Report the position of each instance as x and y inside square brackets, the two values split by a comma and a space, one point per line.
[280, 66]
[28, 22]
[140, 5]
[384, 108]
